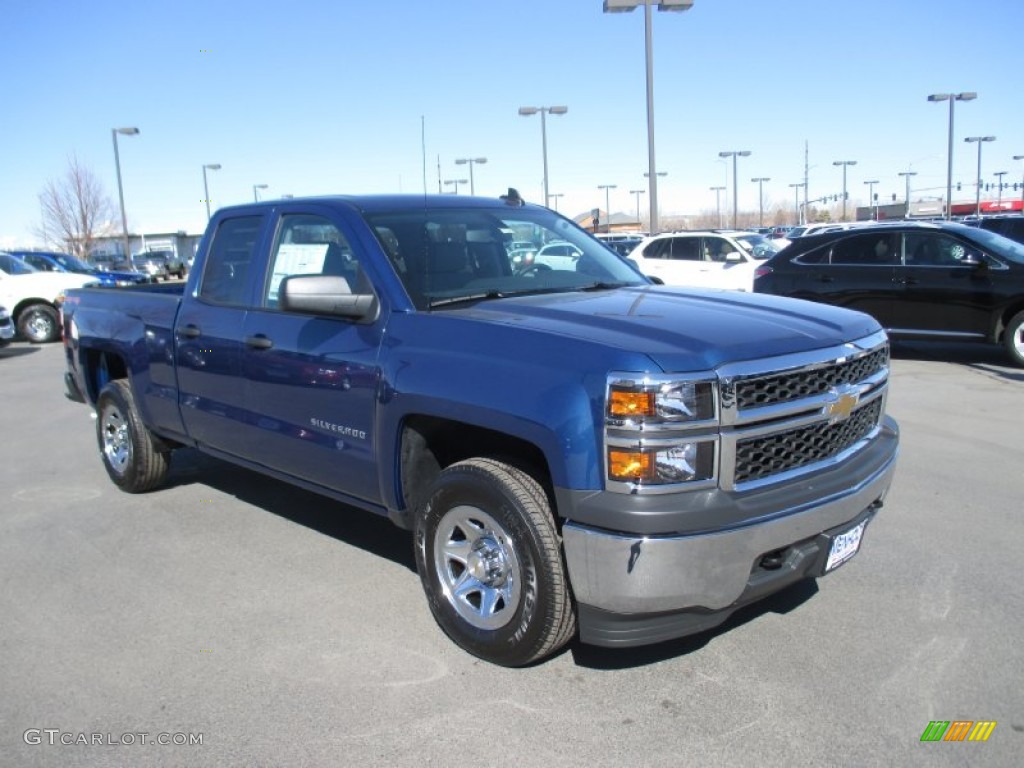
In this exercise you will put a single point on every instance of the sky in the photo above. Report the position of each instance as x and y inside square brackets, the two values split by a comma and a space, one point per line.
[318, 97]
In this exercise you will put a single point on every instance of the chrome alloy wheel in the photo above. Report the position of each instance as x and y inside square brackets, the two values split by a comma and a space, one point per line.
[1018, 341]
[478, 568]
[117, 445]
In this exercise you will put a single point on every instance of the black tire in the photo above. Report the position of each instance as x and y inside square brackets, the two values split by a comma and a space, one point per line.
[127, 448]
[1013, 339]
[39, 323]
[489, 558]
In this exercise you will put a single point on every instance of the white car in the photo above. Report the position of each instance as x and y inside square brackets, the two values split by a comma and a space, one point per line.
[6, 327]
[704, 259]
[33, 297]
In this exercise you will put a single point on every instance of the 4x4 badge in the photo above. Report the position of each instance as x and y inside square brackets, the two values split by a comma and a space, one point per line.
[841, 403]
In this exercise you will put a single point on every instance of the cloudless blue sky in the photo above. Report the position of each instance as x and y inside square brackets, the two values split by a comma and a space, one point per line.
[335, 96]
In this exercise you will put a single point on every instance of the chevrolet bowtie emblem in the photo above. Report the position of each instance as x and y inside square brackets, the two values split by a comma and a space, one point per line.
[841, 405]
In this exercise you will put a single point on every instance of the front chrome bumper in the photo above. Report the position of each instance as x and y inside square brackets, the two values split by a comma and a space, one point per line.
[708, 572]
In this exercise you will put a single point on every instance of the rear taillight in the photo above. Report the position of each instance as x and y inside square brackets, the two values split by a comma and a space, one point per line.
[762, 271]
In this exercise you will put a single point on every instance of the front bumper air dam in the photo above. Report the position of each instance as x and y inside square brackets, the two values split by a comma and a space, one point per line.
[636, 590]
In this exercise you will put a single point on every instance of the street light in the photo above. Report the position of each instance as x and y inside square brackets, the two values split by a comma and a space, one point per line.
[637, 192]
[607, 205]
[623, 6]
[471, 161]
[718, 203]
[999, 175]
[206, 187]
[120, 189]
[844, 163]
[760, 198]
[951, 97]
[1021, 157]
[906, 175]
[255, 191]
[526, 112]
[456, 182]
[735, 192]
[554, 196]
[871, 198]
[980, 140]
[796, 199]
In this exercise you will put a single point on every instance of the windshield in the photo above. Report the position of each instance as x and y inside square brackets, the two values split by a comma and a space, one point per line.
[758, 246]
[1000, 245]
[13, 266]
[71, 264]
[447, 255]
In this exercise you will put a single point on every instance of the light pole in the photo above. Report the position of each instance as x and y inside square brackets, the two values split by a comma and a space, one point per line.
[256, 191]
[999, 175]
[660, 175]
[871, 199]
[456, 182]
[735, 192]
[637, 192]
[980, 140]
[1021, 157]
[760, 198]
[844, 163]
[622, 6]
[526, 112]
[951, 98]
[206, 187]
[607, 205]
[796, 200]
[120, 189]
[554, 196]
[906, 175]
[718, 203]
[471, 161]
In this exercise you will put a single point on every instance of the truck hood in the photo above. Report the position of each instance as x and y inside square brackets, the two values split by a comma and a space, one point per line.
[680, 329]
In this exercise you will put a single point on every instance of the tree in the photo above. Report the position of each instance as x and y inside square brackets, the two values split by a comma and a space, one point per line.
[76, 210]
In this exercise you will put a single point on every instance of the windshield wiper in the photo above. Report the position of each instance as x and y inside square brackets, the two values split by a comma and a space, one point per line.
[603, 286]
[469, 297]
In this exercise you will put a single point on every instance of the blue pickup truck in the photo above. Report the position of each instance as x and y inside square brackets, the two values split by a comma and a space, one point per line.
[576, 450]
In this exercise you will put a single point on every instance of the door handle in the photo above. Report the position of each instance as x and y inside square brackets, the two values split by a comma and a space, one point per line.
[258, 341]
[189, 332]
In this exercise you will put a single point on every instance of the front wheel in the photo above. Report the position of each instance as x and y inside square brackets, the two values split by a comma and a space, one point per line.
[39, 323]
[1013, 339]
[127, 448]
[489, 558]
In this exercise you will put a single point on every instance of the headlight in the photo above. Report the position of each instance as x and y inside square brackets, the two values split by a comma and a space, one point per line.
[661, 432]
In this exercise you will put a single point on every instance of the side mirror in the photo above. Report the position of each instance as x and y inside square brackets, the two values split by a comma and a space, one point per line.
[733, 257]
[326, 295]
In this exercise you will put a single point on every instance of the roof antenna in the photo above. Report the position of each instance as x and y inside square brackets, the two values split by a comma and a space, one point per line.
[512, 197]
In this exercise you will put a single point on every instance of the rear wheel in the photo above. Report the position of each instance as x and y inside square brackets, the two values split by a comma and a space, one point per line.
[1013, 339]
[39, 323]
[127, 448]
[489, 558]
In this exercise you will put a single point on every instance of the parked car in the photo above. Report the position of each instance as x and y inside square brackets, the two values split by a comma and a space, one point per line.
[160, 265]
[6, 327]
[1011, 226]
[924, 280]
[50, 261]
[34, 297]
[704, 259]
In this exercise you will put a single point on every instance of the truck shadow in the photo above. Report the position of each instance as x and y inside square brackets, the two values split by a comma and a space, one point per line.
[19, 350]
[372, 533]
[595, 657]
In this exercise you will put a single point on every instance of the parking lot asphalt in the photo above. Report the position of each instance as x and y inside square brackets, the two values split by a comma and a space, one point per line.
[283, 629]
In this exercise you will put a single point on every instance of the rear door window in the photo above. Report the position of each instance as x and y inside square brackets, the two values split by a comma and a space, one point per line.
[225, 276]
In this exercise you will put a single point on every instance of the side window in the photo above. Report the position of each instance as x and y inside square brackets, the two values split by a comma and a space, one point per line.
[685, 248]
[867, 249]
[658, 249]
[227, 264]
[312, 245]
[717, 248]
[38, 263]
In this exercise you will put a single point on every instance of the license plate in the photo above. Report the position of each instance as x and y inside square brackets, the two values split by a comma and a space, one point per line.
[844, 546]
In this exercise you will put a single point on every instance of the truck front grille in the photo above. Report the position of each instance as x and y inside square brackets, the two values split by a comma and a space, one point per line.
[761, 457]
[794, 385]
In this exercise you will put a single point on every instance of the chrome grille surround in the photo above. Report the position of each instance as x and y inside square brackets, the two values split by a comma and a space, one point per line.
[777, 418]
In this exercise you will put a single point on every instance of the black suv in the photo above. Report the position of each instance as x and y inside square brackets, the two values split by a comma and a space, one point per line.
[919, 280]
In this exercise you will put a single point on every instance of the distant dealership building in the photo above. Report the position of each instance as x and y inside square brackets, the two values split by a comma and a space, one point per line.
[182, 243]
